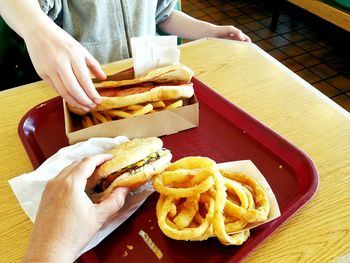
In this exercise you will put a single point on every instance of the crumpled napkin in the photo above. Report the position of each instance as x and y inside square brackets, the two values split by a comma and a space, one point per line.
[29, 187]
[149, 53]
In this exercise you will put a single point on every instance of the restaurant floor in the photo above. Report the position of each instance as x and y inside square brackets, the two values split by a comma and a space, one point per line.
[313, 48]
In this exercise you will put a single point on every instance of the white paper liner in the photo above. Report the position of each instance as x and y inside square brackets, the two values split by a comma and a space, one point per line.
[248, 168]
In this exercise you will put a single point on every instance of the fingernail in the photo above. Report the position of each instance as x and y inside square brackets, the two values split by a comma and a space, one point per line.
[85, 109]
[97, 100]
[109, 156]
[92, 105]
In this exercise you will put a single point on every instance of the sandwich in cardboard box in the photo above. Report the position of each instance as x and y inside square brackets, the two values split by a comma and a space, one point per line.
[158, 102]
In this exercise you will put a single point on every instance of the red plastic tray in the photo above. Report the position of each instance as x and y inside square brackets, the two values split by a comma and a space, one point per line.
[225, 133]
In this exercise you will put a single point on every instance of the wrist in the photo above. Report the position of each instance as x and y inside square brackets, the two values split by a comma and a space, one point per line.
[40, 23]
[47, 256]
[48, 252]
[21, 15]
[213, 30]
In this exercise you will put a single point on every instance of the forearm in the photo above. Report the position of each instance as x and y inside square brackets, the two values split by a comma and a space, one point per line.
[46, 250]
[185, 26]
[23, 16]
[47, 242]
[42, 256]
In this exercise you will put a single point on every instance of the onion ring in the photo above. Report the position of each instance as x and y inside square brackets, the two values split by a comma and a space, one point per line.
[198, 201]
[186, 233]
[262, 209]
[191, 191]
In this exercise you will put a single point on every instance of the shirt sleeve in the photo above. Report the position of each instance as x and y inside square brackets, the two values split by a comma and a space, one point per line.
[164, 9]
[51, 7]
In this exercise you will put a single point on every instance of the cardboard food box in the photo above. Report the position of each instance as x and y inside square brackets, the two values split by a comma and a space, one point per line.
[152, 124]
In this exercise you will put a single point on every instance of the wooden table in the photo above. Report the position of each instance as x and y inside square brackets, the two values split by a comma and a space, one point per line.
[327, 11]
[254, 81]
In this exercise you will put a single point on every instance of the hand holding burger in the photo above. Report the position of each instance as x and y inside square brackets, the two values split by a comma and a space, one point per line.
[134, 163]
[67, 219]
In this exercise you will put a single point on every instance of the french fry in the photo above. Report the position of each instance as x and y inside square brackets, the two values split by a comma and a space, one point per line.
[87, 122]
[128, 114]
[158, 104]
[108, 117]
[99, 116]
[83, 122]
[134, 107]
[174, 105]
[146, 109]
[95, 120]
[119, 114]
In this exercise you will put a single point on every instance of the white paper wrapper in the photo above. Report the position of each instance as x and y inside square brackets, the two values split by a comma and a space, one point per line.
[29, 187]
[153, 52]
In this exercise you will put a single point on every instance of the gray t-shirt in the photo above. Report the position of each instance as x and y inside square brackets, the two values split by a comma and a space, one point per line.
[104, 27]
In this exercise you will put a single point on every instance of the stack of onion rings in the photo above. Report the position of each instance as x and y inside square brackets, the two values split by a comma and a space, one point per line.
[198, 201]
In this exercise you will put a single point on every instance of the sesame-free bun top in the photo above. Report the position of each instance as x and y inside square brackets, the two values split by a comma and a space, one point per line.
[125, 154]
[170, 74]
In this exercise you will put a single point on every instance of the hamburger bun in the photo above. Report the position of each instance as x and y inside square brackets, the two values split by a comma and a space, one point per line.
[155, 94]
[174, 73]
[135, 162]
[167, 83]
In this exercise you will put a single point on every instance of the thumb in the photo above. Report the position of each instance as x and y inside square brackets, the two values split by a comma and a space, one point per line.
[113, 203]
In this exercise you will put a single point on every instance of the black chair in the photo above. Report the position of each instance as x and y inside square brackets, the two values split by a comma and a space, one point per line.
[277, 5]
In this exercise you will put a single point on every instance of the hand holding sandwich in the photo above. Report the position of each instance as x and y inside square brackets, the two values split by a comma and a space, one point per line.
[67, 219]
[68, 67]
[57, 57]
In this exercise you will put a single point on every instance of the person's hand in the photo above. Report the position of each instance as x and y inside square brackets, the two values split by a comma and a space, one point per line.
[64, 63]
[67, 219]
[230, 32]
[180, 24]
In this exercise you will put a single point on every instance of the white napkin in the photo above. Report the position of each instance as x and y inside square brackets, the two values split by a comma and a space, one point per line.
[29, 187]
[153, 52]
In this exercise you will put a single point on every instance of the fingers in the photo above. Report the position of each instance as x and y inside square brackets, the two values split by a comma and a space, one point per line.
[80, 69]
[234, 33]
[239, 35]
[69, 77]
[56, 82]
[88, 165]
[74, 84]
[84, 168]
[64, 63]
[94, 66]
[113, 203]
[246, 38]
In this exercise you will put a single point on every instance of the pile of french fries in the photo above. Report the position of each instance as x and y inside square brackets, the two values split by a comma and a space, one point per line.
[97, 117]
